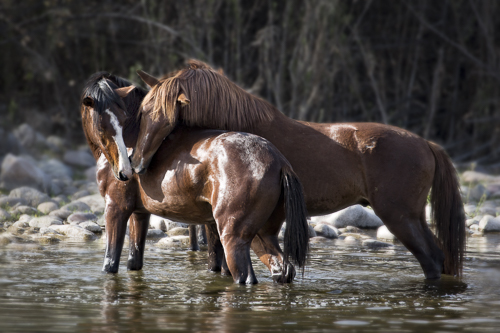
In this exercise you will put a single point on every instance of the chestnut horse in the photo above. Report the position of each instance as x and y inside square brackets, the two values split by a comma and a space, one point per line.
[339, 165]
[238, 182]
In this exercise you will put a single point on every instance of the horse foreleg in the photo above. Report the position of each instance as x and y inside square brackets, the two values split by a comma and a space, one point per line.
[116, 227]
[138, 230]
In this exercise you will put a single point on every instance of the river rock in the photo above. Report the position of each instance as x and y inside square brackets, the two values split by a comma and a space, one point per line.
[489, 224]
[47, 207]
[32, 196]
[478, 193]
[179, 231]
[356, 216]
[326, 230]
[95, 202]
[350, 239]
[25, 210]
[63, 214]
[46, 239]
[157, 222]
[385, 234]
[80, 194]
[25, 218]
[9, 202]
[45, 221]
[312, 232]
[56, 169]
[81, 217]
[19, 171]
[81, 158]
[375, 244]
[21, 224]
[173, 242]
[155, 234]
[77, 206]
[74, 232]
[49, 231]
[470, 222]
[91, 226]
[29, 138]
[5, 216]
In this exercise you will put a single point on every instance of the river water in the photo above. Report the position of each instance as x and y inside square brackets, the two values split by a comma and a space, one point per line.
[345, 288]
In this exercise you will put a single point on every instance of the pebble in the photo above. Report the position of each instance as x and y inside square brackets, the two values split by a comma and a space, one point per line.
[91, 226]
[47, 207]
[81, 217]
[77, 206]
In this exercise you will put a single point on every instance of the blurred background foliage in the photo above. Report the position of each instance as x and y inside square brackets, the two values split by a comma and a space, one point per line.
[429, 66]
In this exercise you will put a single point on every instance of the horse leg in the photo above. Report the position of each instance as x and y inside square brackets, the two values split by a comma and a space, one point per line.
[138, 230]
[412, 230]
[193, 238]
[215, 249]
[266, 246]
[116, 226]
[238, 260]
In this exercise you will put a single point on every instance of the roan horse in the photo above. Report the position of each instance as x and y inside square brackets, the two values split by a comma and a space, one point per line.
[339, 165]
[238, 182]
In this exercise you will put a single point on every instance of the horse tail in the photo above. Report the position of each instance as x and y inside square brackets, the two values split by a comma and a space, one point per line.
[296, 241]
[448, 212]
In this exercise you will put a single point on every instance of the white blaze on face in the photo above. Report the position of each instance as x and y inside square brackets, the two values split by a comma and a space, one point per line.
[123, 161]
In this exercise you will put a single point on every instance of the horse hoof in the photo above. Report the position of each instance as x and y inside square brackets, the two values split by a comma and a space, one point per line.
[286, 275]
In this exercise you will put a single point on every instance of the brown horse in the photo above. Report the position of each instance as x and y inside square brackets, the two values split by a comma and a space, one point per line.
[238, 182]
[339, 165]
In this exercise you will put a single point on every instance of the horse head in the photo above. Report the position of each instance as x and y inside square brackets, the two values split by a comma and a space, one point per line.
[104, 118]
[158, 111]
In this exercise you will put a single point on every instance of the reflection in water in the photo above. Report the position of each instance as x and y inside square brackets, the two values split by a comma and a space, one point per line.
[345, 287]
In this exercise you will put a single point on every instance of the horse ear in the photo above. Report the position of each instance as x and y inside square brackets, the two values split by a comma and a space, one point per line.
[88, 101]
[124, 91]
[183, 100]
[148, 79]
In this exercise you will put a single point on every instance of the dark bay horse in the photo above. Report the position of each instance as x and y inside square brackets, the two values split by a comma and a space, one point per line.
[238, 182]
[339, 165]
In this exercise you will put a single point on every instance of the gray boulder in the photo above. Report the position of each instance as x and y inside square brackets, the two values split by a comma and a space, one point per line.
[45, 221]
[47, 207]
[385, 234]
[28, 210]
[326, 230]
[19, 171]
[155, 234]
[5, 216]
[81, 158]
[91, 226]
[375, 244]
[489, 224]
[8, 202]
[355, 216]
[95, 202]
[32, 196]
[79, 206]
[179, 231]
[30, 139]
[157, 222]
[62, 214]
[173, 242]
[74, 232]
[81, 217]
[56, 169]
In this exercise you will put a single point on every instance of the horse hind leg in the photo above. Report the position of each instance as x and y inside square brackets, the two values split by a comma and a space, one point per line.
[413, 232]
[267, 248]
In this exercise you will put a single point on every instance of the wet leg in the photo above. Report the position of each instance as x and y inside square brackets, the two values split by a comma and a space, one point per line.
[116, 226]
[138, 230]
[193, 238]
[215, 249]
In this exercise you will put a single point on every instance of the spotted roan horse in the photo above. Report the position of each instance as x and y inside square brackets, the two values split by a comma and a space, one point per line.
[238, 182]
[339, 165]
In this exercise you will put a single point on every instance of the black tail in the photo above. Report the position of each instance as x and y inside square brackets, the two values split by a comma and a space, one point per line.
[296, 242]
[448, 212]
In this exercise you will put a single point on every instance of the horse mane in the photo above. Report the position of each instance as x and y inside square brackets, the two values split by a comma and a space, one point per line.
[215, 101]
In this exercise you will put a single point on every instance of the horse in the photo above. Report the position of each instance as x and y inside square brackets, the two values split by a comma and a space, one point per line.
[238, 184]
[339, 165]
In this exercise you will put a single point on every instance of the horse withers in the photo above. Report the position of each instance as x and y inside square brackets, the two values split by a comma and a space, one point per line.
[236, 182]
[339, 165]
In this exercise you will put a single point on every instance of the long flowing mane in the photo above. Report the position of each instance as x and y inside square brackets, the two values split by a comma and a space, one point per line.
[215, 101]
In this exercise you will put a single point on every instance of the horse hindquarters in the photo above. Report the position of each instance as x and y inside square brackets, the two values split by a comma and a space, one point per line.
[448, 212]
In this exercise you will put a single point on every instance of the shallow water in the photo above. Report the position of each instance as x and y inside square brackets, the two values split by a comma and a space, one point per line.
[59, 288]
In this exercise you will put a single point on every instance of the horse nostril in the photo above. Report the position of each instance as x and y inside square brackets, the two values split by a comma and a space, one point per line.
[122, 176]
